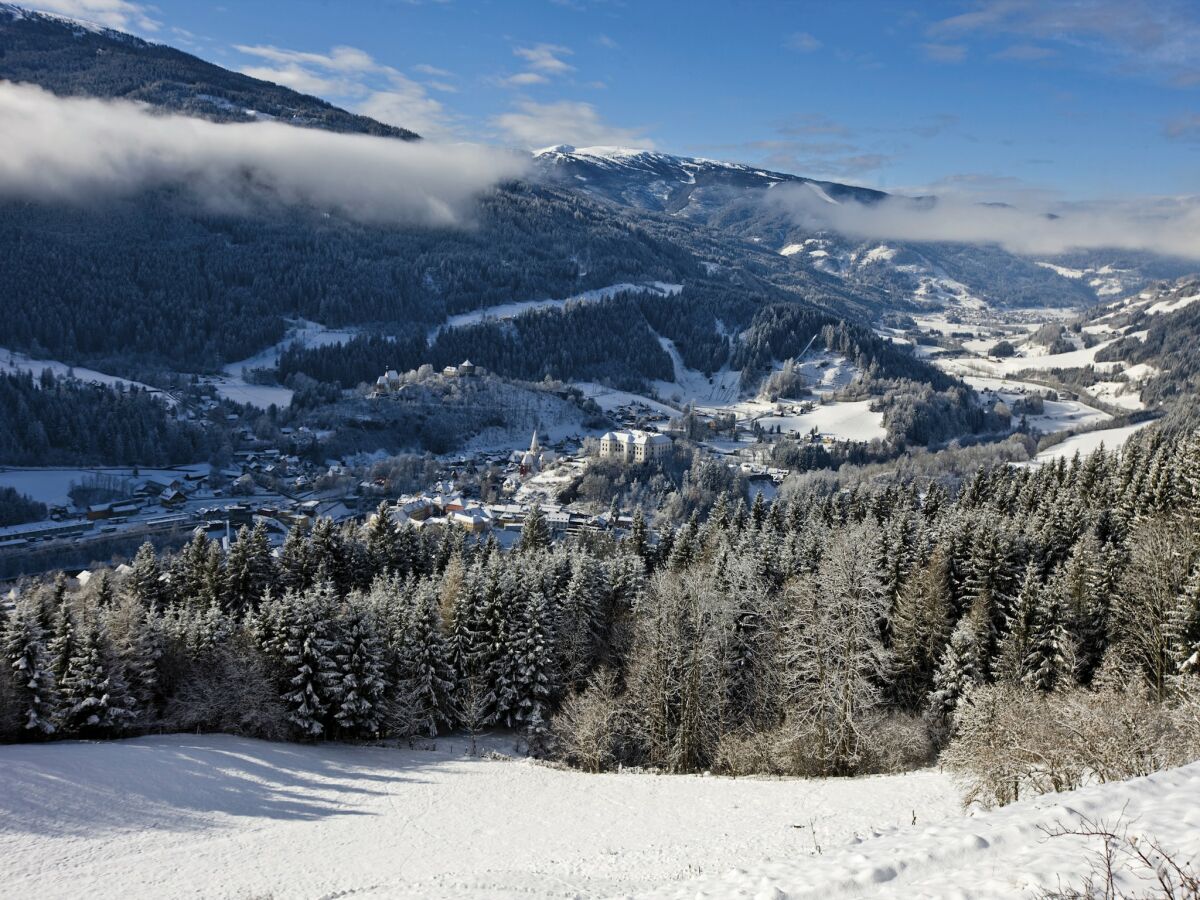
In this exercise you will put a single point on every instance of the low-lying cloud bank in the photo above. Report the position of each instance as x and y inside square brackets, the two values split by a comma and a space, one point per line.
[78, 149]
[1169, 225]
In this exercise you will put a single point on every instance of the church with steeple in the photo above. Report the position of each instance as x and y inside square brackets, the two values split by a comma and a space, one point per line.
[535, 459]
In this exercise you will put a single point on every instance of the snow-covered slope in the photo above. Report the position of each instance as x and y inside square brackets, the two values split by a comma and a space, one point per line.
[648, 179]
[1003, 854]
[226, 817]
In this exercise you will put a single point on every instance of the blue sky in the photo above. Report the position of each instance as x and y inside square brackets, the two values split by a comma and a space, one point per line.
[1005, 99]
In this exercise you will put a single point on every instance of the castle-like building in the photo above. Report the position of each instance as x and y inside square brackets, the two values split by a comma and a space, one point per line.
[634, 446]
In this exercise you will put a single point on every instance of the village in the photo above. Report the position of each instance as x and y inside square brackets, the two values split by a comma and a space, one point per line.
[101, 514]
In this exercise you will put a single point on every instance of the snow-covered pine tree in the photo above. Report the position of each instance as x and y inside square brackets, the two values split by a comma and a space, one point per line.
[1183, 626]
[1017, 642]
[310, 650]
[921, 621]
[137, 640]
[144, 582]
[639, 533]
[249, 569]
[34, 691]
[468, 635]
[196, 575]
[502, 609]
[579, 618]
[360, 667]
[102, 590]
[94, 701]
[535, 531]
[956, 674]
[1045, 665]
[61, 643]
[296, 567]
[429, 678]
[536, 682]
[758, 511]
[327, 554]
[382, 541]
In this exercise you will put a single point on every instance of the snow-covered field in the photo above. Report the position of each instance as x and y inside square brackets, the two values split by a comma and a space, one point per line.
[1002, 854]
[218, 816]
[1089, 442]
[847, 421]
[520, 307]
[52, 485]
[232, 384]
[12, 361]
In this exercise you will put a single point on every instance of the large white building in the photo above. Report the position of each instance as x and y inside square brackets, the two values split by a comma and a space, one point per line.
[634, 446]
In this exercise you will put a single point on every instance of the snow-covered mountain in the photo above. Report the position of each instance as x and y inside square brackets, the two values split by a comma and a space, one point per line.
[681, 185]
[736, 198]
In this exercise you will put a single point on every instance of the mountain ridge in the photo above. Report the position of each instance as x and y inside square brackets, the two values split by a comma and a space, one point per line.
[73, 58]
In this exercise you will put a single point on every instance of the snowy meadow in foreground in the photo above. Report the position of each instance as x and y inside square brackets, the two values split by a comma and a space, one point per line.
[218, 816]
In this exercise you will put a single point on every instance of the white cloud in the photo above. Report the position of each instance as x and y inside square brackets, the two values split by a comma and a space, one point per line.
[1166, 225]
[944, 53]
[541, 124]
[546, 58]
[1160, 37]
[339, 59]
[524, 79]
[298, 78]
[802, 42]
[405, 104]
[76, 149]
[426, 69]
[120, 14]
[354, 77]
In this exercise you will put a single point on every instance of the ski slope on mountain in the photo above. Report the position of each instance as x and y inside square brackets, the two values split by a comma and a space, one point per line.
[226, 817]
[1001, 854]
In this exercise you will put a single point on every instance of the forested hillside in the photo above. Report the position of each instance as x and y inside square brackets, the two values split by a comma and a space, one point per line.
[58, 422]
[154, 281]
[824, 633]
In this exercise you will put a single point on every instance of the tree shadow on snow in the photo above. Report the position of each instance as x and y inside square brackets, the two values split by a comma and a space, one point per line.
[184, 782]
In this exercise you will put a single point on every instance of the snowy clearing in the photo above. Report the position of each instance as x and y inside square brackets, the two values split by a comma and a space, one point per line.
[1076, 359]
[51, 485]
[1089, 442]
[1000, 854]
[12, 361]
[850, 421]
[520, 307]
[233, 386]
[219, 816]
[609, 399]
[300, 333]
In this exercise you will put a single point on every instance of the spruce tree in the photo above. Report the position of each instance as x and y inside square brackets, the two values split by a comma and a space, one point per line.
[310, 655]
[1046, 663]
[382, 540]
[429, 676]
[144, 582]
[957, 672]
[94, 700]
[360, 666]
[535, 682]
[1183, 626]
[535, 531]
[35, 692]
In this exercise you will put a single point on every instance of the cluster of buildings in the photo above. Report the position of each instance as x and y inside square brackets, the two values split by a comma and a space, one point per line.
[503, 519]
[390, 382]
